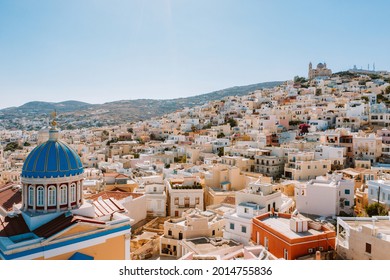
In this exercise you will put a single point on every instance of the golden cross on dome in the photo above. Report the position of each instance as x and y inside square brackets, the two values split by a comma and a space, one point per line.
[54, 115]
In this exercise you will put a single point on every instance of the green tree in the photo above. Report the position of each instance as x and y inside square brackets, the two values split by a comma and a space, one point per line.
[105, 135]
[130, 130]
[376, 209]
[26, 144]
[232, 122]
[193, 128]
[365, 98]
[387, 90]
[12, 146]
[300, 80]
[294, 122]
[381, 98]
[221, 151]
[220, 135]
[207, 126]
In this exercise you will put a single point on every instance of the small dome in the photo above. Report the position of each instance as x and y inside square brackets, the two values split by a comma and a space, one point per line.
[320, 65]
[52, 159]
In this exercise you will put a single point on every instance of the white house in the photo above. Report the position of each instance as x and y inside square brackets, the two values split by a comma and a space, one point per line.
[256, 199]
[381, 189]
[325, 196]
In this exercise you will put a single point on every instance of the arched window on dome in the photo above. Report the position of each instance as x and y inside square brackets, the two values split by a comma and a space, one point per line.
[63, 194]
[30, 195]
[73, 193]
[40, 196]
[51, 201]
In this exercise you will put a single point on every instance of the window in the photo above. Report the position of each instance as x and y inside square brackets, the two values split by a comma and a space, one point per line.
[325, 166]
[232, 226]
[243, 229]
[169, 232]
[346, 203]
[246, 210]
[30, 195]
[40, 192]
[368, 248]
[51, 201]
[310, 250]
[347, 191]
[73, 193]
[213, 232]
[197, 200]
[285, 254]
[266, 243]
[63, 194]
[187, 202]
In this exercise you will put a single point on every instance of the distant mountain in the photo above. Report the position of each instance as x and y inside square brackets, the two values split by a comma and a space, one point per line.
[47, 107]
[81, 114]
[158, 107]
[146, 108]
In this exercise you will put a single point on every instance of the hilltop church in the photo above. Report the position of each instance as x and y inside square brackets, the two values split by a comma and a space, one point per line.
[46, 218]
[320, 72]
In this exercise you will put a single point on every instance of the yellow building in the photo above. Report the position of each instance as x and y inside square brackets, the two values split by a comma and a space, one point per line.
[51, 220]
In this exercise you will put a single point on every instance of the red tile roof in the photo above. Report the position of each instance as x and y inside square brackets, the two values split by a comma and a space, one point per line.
[116, 193]
[12, 226]
[229, 200]
[110, 174]
[122, 176]
[60, 223]
[10, 196]
[104, 207]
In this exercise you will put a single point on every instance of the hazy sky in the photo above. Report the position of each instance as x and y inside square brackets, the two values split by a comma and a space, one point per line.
[98, 51]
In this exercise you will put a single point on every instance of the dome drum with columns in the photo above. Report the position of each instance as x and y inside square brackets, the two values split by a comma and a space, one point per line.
[52, 177]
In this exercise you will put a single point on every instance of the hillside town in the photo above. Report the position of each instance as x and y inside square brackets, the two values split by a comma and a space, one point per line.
[297, 172]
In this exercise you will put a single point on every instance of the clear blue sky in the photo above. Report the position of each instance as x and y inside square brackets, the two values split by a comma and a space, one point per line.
[99, 51]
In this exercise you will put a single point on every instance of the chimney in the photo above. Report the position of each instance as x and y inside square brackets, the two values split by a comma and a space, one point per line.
[318, 255]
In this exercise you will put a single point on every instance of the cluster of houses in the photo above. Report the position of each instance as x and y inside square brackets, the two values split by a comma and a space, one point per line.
[281, 173]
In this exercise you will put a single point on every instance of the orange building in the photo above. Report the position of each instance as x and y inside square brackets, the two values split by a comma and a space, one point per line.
[290, 236]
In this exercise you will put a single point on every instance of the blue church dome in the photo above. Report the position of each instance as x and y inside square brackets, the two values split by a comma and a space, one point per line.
[52, 159]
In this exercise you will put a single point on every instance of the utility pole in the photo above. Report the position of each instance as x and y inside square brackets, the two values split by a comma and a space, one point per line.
[377, 206]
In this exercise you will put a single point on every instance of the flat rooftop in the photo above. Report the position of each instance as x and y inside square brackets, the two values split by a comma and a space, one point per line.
[252, 205]
[224, 209]
[382, 226]
[205, 246]
[282, 225]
